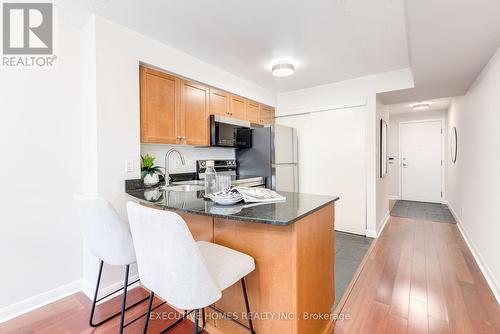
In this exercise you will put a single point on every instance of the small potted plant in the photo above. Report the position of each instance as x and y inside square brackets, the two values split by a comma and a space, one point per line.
[150, 173]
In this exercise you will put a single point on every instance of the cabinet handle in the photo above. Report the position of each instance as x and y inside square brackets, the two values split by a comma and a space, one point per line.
[179, 137]
[183, 137]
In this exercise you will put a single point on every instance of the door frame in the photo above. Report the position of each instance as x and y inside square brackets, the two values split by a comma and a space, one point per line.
[443, 175]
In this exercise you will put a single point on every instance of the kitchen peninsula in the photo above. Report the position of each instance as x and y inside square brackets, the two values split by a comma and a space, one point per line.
[292, 242]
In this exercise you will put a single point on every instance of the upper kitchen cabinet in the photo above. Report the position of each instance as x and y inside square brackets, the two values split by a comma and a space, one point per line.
[176, 110]
[160, 103]
[266, 115]
[219, 102]
[237, 107]
[195, 117]
[253, 111]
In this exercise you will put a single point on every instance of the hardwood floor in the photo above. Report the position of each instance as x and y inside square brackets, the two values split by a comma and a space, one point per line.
[420, 277]
[71, 315]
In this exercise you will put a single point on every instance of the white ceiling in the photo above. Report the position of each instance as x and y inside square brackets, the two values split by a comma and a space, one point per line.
[330, 40]
[446, 42]
[450, 42]
[435, 104]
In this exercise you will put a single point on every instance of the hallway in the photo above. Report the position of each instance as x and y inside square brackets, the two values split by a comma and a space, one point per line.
[435, 212]
[420, 277]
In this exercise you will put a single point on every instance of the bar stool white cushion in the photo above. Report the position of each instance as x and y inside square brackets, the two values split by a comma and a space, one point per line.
[186, 274]
[108, 237]
[226, 265]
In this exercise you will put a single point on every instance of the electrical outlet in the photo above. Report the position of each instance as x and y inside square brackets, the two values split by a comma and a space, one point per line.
[129, 166]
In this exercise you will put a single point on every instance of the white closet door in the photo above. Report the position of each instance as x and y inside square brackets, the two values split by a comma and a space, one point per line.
[332, 161]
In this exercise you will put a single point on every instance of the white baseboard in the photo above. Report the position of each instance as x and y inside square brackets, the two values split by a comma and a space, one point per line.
[89, 288]
[384, 222]
[490, 279]
[380, 227]
[31, 303]
[394, 198]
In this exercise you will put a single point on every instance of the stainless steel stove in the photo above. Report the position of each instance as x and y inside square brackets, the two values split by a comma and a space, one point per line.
[230, 167]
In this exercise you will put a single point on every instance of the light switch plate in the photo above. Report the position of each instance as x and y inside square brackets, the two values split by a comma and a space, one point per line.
[129, 166]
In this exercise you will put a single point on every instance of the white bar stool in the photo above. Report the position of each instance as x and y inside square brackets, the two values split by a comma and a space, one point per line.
[188, 275]
[109, 238]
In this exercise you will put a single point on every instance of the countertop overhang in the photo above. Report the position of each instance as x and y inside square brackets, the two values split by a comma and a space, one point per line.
[296, 206]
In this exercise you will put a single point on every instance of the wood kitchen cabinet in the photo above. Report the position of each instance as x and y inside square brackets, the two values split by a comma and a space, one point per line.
[175, 110]
[266, 114]
[160, 102]
[253, 111]
[237, 107]
[195, 117]
[219, 102]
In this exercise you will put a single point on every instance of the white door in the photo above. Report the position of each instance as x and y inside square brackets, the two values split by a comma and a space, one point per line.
[421, 160]
[332, 161]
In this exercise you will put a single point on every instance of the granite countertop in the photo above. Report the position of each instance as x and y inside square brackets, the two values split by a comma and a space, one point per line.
[296, 206]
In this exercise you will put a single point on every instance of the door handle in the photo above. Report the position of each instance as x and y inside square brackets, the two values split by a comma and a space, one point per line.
[405, 165]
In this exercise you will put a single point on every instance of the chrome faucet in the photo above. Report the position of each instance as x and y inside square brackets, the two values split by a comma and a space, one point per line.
[167, 158]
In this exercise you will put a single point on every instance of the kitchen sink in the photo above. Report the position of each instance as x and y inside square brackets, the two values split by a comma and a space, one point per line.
[196, 182]
[183, 187]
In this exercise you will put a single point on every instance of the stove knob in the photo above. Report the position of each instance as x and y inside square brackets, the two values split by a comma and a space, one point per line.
[202, 164]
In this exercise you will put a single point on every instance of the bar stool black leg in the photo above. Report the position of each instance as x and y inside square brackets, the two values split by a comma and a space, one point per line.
[123, 309]
[196, 314]
[249, 315]
[148, 313]
[203, 318]
[124, 300]
[94, 302]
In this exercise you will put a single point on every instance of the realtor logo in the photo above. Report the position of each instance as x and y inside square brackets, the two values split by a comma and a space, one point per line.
[27, 30]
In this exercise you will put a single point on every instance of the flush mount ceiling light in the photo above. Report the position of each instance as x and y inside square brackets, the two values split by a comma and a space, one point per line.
[283, 69]
[421, 106]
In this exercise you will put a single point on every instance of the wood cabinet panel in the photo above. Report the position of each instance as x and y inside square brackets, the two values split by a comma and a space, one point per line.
[253, 111]
[237, 107]
[219, 102]
[177, 111]
[194, 113]
[201, 227]
[159, 107]
[266, 115]
[294, 273]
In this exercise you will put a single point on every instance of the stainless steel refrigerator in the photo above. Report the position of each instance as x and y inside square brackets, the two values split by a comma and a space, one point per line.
[274, 155]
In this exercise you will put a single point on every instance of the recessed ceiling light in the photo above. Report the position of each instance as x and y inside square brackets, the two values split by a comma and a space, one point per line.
[420, 106]
[283, 69]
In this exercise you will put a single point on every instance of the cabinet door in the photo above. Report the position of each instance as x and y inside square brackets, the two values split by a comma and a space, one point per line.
[219, 102]
[159, 107]
[266, 115]
[253, 111]
[194, 113]
[237, 107]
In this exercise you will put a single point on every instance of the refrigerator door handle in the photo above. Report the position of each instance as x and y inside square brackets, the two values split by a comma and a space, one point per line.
[296, 178]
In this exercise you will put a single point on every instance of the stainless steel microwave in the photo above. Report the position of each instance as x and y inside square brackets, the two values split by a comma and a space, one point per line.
[230, 132]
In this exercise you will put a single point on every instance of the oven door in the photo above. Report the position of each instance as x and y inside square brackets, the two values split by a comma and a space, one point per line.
[228, 132]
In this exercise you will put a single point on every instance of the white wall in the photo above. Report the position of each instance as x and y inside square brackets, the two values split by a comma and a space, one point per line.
[190, 154]
[40, 146]
[117, 107]
[382, 185]
[393, 151]
[474, 182]
[355, 93]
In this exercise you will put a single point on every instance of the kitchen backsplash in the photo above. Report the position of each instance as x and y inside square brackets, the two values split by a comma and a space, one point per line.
[190, 153]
